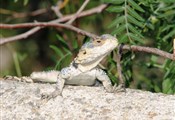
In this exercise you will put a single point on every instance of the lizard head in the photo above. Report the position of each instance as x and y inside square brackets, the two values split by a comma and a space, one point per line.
[92, 52]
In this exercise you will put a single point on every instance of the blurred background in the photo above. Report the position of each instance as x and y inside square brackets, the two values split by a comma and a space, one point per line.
[134, 22]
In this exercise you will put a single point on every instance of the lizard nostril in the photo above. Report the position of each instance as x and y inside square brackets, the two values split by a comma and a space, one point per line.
[98, 41]
[84, 52]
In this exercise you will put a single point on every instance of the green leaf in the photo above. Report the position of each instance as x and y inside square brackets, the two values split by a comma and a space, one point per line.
[167, 1]
[75, 44]
[134, 30]
[151, 26]
[123, 38]
[167, 73]
[117, 21]
[166, 14]
[154, 58]
[135, 37]
[114, 1]
[157, 88]
[22, 57]
[17, 64]
[115, 9]
[134, 21]
[57, 50]
[170, 34]
[25, 2]
[167, 27]
[67, 50]
[166, 85]
[165, 8]
[62, 41]
[135, 5]
[134, 14]
[58, 65]
[119, 29]
[67, 59]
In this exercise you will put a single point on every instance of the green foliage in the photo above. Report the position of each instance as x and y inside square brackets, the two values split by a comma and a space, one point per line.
[64, 53]
[25, 2]
[168, 85]
[128, 23]
[135, 22]
[146, 22]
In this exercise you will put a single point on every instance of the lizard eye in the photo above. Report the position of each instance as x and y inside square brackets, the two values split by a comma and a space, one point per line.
[98, 42]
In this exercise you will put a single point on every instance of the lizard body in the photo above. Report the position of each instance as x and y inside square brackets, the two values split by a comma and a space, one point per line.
[83, 69]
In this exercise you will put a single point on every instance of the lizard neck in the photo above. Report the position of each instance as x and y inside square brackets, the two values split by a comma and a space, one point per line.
[82, 68]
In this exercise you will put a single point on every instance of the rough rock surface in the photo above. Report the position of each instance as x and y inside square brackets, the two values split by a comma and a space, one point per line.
[22, 101]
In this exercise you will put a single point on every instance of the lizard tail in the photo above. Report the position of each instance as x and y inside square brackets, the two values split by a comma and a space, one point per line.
[45, 76]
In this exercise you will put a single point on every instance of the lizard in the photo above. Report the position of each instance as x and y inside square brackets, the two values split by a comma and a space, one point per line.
[83, 70]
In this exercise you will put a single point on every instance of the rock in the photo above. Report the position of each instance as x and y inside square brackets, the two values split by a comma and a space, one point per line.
[21, 100]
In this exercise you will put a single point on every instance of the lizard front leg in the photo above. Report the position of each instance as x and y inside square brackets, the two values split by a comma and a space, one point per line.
[58, 90]
[64, 74]
[102, 76]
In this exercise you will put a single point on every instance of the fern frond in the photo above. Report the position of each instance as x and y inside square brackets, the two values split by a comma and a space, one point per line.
[128, 21]
[117, 21]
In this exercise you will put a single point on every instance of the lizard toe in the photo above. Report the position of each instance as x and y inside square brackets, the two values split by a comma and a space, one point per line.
[119, 88]
[50, 96]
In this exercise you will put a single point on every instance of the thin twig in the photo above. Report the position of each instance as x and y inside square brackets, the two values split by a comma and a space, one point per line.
[149, 50]
[21, 15]
[97, 9]
[78, 12]
[119, 68]
[59, 5]
[20, 36]
[56, 10]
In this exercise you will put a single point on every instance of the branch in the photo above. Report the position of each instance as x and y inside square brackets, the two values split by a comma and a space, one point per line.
[79, 31]
[21, 15]
[19, 37]
[78, 12]
[149, 50]
[97, 9]
[44, 24]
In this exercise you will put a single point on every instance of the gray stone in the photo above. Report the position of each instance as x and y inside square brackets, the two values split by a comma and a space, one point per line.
[22, 101]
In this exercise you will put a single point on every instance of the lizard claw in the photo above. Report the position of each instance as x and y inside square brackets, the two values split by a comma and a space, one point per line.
[119, 88]
[46, 96]
[51, 96]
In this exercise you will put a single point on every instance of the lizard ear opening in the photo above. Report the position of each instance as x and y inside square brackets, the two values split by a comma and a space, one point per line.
[84, 52]
[98, 41]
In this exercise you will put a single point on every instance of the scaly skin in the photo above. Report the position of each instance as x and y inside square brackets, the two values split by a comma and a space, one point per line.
[83, 69]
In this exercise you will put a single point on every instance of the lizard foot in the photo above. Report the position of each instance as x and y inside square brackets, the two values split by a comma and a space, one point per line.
[51, 96]
[119, 88]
